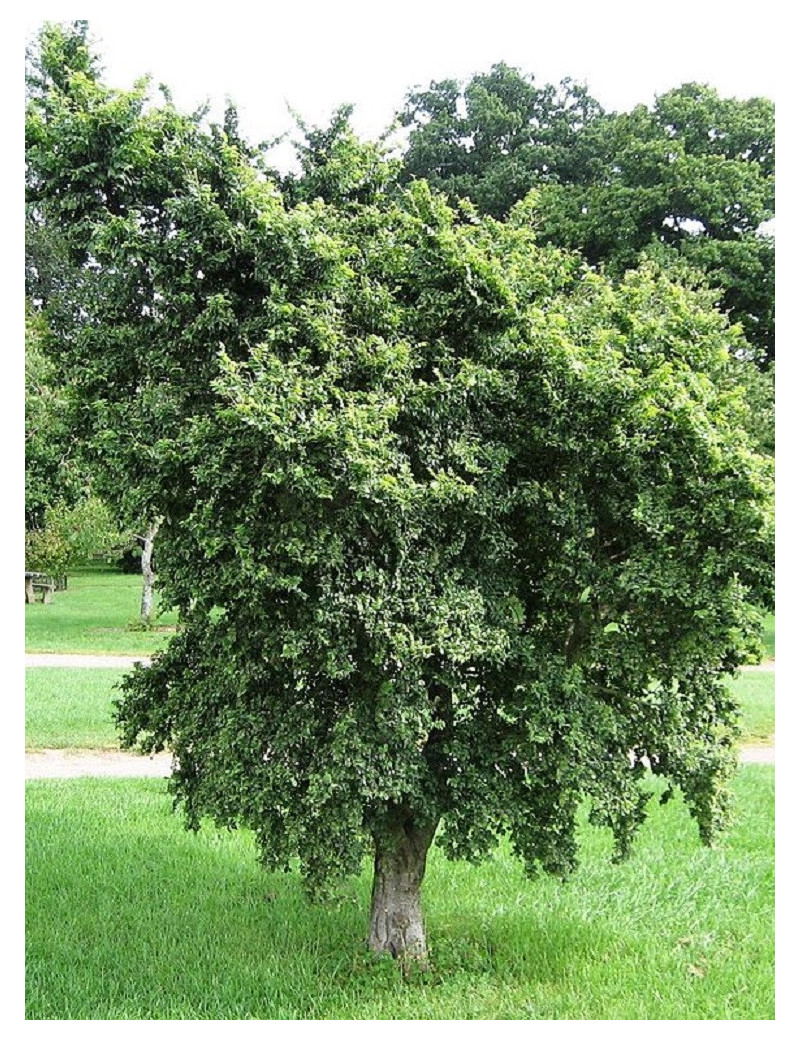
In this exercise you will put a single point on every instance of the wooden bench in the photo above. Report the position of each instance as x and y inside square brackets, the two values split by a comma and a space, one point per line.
[35, 582]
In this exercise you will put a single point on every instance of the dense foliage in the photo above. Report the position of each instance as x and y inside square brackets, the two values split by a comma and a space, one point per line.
[690, 180]
[47, 431]
[461, 532]
[65, 523]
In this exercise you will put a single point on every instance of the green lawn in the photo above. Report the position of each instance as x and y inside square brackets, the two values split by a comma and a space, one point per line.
[129, 916]
[70, 707]
[93, 615]
[769, 637]
[755, 692]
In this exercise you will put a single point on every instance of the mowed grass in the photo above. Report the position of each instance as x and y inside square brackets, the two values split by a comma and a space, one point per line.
[755, 692]
[73, 708]
[93, 615]
[768, 637]
[129, 916]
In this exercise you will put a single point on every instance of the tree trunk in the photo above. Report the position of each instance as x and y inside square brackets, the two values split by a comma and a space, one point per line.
[401, 849]
[148, 574]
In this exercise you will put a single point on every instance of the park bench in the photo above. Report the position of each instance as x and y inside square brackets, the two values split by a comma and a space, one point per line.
[35, 582]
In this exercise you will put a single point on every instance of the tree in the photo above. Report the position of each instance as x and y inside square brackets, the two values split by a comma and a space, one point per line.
[460, 532]
[498, 136]
[693, 175]
[71, 535]
[487, 535]
[696, 175]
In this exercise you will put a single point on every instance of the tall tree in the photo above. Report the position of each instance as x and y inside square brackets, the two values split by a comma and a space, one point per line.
[105, 167]
[690, 179]
[460, 532]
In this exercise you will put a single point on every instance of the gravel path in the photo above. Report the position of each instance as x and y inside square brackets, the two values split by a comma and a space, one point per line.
[56, 764]
[762, 754]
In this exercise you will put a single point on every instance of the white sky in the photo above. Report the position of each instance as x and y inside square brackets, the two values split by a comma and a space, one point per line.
[314, 55]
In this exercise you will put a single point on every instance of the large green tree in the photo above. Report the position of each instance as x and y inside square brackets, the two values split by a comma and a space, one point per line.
[468, 539]
[461, 533]
[494, 138]
[690, 179]
[105, 168]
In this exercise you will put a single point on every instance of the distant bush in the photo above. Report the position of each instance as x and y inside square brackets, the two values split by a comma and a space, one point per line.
[72, 535]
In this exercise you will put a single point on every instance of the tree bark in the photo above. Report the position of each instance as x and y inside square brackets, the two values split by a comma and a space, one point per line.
[401, 849]
[148, 574]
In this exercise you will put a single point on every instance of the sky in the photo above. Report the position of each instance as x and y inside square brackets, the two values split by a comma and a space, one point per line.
[312, 56]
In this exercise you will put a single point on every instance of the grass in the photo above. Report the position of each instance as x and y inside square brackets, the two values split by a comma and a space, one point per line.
[94, 615]
[755, 692]
[70, 707]
[768, 637]
[129, 916]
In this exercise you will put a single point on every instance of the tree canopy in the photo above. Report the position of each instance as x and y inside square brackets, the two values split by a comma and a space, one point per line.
[690, 179]
[461, 532]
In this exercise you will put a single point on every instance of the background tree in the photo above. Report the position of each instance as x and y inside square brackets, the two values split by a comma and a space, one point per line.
[66, 523]
[498, 136]
[50, 475]
[103, 168]
[692, 177]
[695, 175]
[71, 535]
